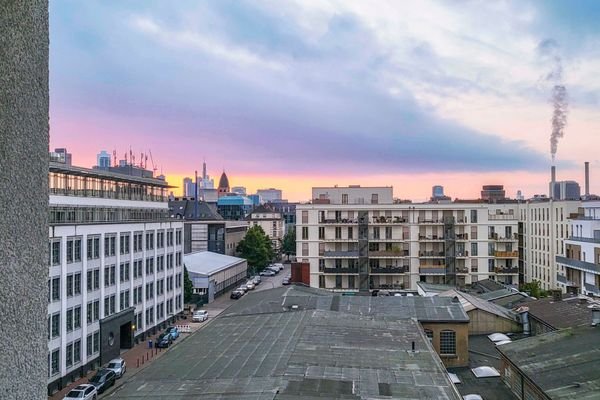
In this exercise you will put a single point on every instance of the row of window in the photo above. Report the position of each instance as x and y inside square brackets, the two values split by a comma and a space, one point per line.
[73, 250]
[74, 314]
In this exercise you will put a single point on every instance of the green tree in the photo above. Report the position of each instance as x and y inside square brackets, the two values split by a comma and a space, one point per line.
[534, 288]
[256, 248]
[188, 286]
[289, 243]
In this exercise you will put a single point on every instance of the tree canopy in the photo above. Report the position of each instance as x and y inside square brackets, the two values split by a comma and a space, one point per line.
[188, 286]
[289, 243]
[256, 248]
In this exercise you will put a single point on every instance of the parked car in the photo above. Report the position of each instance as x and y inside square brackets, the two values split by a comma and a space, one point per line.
[267, 272]
[256, 279]
[164, 341]
[236, 294]
[173, 331]
[200, 316]
[103, 379]
[118, 366]
[83, 392]
[250, 285]
[273, 268]
[286, 281]
[279, 265]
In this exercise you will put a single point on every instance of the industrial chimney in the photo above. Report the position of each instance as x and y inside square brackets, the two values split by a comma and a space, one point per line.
[552, 181]
[587, 179]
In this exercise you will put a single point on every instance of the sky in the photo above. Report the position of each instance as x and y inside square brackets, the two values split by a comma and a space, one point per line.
[295, 94]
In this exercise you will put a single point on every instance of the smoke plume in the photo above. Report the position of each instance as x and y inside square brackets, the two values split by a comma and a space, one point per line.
[548, 49]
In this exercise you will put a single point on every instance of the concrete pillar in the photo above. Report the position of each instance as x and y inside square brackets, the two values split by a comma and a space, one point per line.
[23, 198]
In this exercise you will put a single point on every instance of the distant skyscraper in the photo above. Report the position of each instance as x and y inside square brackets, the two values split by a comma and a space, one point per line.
[206, 182]
[103, 160]
[520, 195]
[61, 155]
[493, 192]
[437, 191]
[565, 190]
[189, 187]
[269, 195]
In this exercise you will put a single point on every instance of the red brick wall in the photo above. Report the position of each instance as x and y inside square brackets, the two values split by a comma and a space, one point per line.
[301, 273]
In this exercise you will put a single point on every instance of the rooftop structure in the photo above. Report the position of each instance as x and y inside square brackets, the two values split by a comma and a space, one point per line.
[493, 193]
[298, 343]
[353, 194]
[269, 195]
[212, 274]
[192, 210]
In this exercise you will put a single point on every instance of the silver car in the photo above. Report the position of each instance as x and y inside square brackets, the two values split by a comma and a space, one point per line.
[118, 366]
[82, 392]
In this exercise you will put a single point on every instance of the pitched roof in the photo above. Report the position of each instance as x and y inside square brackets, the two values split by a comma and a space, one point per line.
[186, 209]
[566, 313]
[223, 181]
[563, 363]
[470, 302]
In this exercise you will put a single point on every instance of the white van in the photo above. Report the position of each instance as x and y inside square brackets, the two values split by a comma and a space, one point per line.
[200, 316]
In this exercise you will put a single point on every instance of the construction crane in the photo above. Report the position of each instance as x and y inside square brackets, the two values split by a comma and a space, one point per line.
[152, 160]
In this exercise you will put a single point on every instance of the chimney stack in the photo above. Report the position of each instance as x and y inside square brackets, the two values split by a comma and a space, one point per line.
[587, 179]
[552, 181]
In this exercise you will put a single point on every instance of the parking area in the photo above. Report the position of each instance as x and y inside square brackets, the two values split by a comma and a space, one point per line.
[141, 355]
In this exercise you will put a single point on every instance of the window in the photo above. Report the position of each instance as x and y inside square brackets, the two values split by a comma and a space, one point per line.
[149, 241]
[429, 334]
[76, 351]
[96, 341]
[124, 300]
[178, 236]
[110, 245]
[178, 259]
[55, 325]
[124, 243]
[54, 362]
[109, 275]
[137, 242]
[447, 342]
[305, 249]
[69, 285]
[169, 238]
[93, 248]
[160, 263]
[77, 284]
[160, 240]
[474, 249]
[137, 269]
[305, 233]
[149, 290]
[305, 217]
[473, 216]
[388, 232]
[92, 343]
[376, 234]
[149, 266]
[374, 198]
[338, 232]
[55, 289]
[55, 252]
[321, 232]
[344, 198]
[69, 320]
[124, 272]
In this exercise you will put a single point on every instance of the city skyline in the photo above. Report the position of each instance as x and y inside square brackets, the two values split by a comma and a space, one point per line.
[295, 95]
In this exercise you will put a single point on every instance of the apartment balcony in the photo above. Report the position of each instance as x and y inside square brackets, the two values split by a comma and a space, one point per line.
[462, 236]
[462, 270]
[339, 240]
[579, 265]
[341, 254]
[563, 279]
[431, 238]
[590, 288]
[341, 270]
[388, 253]
[506, 271]
[503, 217]
[388, 220]
[506, 254]
[461, 254]
[390, 270]
[583, 239]
[512, 238]
[340, 221]
[432, 254]
[429, 221]
[386, 286]
[432, 270]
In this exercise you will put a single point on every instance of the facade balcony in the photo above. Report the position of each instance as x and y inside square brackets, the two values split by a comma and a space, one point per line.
[387, 220]
[388, 253]
[432, 270]
[339, 240]
[462, 236]
[505, 271]
[563, 279]
[432, 254]
[461, 254]
[506, 254]
[341, 254]
[579, 265]
[591, 288]
[584, 239]
[386, 286]
[431, 238]
[341, 270]
[430, 221]
[339, 221]
[391, 270]
[503, 217]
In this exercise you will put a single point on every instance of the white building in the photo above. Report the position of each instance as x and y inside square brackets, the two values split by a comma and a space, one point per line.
[269, 195]
[358, 239]
[271, 221]
[115, 267]
[544, 226]
[213, 274]
[579, 267]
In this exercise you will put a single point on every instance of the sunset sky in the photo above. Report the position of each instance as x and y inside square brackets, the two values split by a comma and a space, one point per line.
[295, 94]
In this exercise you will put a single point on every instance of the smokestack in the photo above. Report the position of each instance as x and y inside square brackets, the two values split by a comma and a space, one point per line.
[587, 178]
[552, 181]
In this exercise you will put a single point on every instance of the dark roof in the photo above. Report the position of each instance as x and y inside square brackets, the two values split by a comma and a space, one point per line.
[265, 209]
[488, 285]
[259, 351]
[512, 301]
[186, 209]
[564, 313]
[223, 181]
[564, 363]
[470, 302]
[482, 352]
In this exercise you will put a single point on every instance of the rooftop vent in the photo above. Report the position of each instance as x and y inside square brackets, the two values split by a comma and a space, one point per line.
[485, 372]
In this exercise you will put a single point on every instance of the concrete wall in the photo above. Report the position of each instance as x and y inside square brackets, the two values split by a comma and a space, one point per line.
[23, 182]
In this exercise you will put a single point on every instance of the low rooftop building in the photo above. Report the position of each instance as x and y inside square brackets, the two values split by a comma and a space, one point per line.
[213, 274]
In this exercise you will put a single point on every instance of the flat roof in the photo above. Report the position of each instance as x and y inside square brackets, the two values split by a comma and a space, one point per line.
[564, 363]
[286, 353]
[209, 263]
[100, 173]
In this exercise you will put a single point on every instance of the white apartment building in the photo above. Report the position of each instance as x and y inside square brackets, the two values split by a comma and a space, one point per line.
[115, 267]
[271, 221]
[579, 268]
[544, 228]
[358, 239]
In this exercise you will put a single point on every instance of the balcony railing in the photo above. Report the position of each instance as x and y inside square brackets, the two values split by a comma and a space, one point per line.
[373, 286]
[389, 253]
[506, 254]
[432, 270]
[339, 221]
[514, 270]
[431, 237]
[579, 265]
[462, 236]
[436, 254]
[430, 221]
[341, 253]
[334, 270]
[503, 217]
[388, 220]
[390, 270]
[584, 239]
[563, 279]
